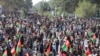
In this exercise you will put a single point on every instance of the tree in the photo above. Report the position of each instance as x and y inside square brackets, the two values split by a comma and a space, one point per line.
[98, 6]
[11, 5]
[65, 5]
[27, 4]
[23, 13]
[85, 9]
[96, 2]
[42, 6]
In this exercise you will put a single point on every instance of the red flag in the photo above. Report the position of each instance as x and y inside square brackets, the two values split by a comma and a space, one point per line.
[19, 44]
[88, 52]
[48, 50]
[64, 54]
[71, 29]
[67, 43]
[13, 51]
[27, 54]
[60, 54]
[94, 36]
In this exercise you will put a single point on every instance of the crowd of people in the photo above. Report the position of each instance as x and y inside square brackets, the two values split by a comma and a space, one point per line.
[42, 36]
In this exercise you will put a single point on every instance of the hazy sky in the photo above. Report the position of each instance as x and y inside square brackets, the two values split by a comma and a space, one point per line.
[36, 1]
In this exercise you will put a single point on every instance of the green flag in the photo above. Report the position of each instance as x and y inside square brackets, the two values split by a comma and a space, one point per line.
[52, 37]
[17, 25]
[92, 39]
[5, 53]
[68, 32]
[18, 49]
[7, 41]
[89, 33]
[71, 50]
[64, 47]
[14, 55]
[18, 35]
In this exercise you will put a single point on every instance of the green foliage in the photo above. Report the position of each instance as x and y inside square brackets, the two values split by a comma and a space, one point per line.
[65, 5]
[48, 14]
[27, 4]
[85, 9]
[11, 5]
[23, 12]
[42, 6]
[65, 14]
[95, 2]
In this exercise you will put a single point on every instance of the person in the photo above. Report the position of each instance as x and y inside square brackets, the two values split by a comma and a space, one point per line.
[50, 37]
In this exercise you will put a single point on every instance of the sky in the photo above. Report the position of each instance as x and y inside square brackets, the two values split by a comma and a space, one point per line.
[37, 1]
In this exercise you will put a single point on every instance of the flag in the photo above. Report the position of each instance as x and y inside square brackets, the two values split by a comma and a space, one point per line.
[64, 47]
[18, 35]
[87, 52]
[27, 54]
[64, 54]
[71, 28]
[19, 43]
[71, 50]
[48, 50]
[89, 55]
[60, 53]
[13, 51]
[5, 53]
[17, 24]
[89, 33]
[6, 40]
[68, 32]
[94, 37]
[18, 49]
[67, 43]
